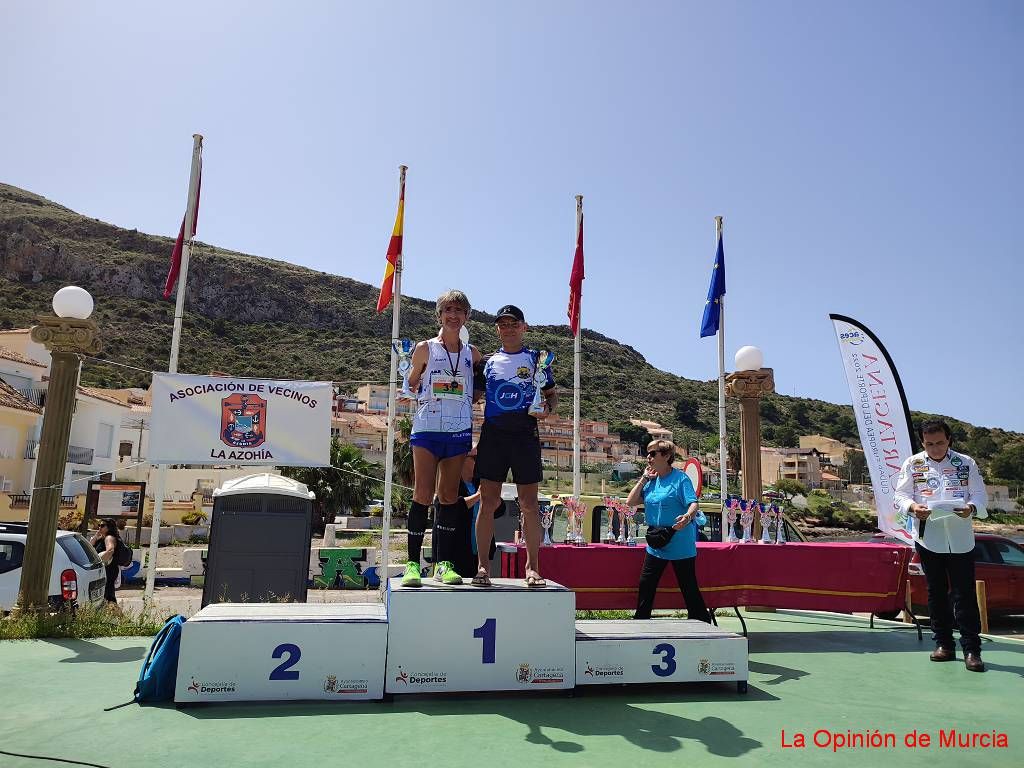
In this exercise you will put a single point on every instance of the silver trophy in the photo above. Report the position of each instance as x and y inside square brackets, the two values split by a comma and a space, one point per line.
[767, 518]
[540, 378]
[547, 517]
[780, 530]
[609, 535]
[403, 348]
[730, 520]
[747, 519]
[627, 523]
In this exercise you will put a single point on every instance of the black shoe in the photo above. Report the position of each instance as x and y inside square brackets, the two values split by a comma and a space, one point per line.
[973, 662]
[943, 654]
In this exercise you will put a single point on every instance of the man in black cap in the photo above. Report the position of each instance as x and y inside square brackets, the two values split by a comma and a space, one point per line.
[510, 440]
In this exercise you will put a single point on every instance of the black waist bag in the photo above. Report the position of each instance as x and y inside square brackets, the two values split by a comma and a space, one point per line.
[658, 536]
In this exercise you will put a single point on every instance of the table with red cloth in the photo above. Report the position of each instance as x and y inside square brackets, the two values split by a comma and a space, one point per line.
[846, 577]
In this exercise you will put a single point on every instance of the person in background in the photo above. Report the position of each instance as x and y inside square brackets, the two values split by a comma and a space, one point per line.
[105, 541]
[946, 546]
[669, 502]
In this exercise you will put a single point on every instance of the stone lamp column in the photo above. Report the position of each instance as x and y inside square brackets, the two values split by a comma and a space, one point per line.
[67, 336]
[749, 383]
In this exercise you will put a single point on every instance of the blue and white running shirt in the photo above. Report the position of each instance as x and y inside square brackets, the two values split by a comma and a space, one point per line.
[510, 387]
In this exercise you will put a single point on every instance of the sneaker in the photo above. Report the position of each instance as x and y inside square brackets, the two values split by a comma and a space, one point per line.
[445, 573]
[411, 577]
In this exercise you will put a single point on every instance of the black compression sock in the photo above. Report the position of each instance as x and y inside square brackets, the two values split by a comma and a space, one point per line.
[417, 525]
[445, 545]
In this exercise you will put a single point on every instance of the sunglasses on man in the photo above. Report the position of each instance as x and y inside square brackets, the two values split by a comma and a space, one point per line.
[652, 454]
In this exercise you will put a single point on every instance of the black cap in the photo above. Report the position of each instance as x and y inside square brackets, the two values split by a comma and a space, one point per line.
[511, 310]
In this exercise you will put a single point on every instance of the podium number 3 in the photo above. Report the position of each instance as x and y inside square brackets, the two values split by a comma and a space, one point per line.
[668, 660]
[486, 632]
[282, 671]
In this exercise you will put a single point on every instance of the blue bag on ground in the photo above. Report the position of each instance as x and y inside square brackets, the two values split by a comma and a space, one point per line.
[160, 669]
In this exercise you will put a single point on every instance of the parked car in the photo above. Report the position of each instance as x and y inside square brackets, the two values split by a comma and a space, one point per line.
[77, 576]
[998, 561]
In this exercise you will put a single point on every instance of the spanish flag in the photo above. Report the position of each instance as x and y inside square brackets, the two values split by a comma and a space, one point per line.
[387, 286]
[576, 282]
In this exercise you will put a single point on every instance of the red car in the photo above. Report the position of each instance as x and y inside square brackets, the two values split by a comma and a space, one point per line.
[998, 561]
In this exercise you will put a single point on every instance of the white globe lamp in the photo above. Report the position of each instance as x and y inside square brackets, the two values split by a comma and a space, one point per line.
[749, 359]
[73, 302]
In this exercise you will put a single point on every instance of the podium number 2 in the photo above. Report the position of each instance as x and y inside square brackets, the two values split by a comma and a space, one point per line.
[486, 632]
[282, 671]
[668, 660]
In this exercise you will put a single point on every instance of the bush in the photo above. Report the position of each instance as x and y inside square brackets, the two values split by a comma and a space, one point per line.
[193, 518]
[69, 519]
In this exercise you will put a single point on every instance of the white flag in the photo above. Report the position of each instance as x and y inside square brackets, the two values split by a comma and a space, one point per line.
[883, 417]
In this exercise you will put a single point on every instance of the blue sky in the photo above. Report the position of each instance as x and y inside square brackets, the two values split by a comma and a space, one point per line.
[866, 157]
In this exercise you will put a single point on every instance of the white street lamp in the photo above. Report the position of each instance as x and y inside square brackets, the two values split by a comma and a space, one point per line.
[72, 302]
[749, 359]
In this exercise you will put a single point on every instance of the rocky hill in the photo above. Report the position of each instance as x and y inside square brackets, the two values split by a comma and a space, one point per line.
[253, 316]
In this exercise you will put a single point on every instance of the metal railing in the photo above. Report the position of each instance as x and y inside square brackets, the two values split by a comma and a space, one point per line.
[36, 395]
[24, 501]
[79, 455]
[76, 454]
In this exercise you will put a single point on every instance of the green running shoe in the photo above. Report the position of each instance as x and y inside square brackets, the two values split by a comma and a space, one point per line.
[445, 573]
[411, 577]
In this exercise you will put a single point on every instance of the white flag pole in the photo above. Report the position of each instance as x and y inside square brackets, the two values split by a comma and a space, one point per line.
[172, 365]
[389, 460]
[577, 487]
[723, 450]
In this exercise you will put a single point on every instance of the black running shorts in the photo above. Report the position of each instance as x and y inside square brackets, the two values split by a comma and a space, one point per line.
[500, 451]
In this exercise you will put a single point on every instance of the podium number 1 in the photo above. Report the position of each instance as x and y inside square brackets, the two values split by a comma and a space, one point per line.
[282, 671]
[486, 632]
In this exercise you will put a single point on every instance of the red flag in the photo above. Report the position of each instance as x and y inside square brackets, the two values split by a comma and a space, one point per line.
[387, 286]
[576, 283]
[172, 274]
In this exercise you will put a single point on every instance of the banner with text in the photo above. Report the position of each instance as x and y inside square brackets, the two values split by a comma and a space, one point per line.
[223, 420]
[883, 417]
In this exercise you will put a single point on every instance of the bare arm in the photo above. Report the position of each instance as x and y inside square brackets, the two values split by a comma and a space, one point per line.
[636, 496]
[419, 365]
[107, 555]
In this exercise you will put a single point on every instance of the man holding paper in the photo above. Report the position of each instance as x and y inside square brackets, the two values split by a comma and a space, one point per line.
[940, 491]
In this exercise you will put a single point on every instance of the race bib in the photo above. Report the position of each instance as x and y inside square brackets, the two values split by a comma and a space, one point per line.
[444, 386]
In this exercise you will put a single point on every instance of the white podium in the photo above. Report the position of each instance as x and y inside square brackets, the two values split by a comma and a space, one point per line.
[658, 651]
[465, 638]
[281, 651]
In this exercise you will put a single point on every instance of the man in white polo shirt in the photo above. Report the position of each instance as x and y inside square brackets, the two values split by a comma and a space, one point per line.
[942, 490]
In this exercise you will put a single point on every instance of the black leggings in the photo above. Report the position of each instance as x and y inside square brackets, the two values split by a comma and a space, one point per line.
[686, 575]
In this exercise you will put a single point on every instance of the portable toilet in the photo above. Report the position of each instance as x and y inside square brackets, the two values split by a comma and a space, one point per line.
[259, 541]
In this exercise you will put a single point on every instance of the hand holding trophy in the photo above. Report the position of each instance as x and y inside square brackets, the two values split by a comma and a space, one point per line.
[403, 348]
[538, 408]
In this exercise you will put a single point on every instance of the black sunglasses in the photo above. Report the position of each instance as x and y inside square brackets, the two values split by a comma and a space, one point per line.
[652, 454]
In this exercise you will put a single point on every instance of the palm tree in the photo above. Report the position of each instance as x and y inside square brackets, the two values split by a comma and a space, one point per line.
[350, 483]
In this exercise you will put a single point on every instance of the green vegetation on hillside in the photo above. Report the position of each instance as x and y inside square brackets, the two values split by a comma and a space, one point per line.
[253, 316]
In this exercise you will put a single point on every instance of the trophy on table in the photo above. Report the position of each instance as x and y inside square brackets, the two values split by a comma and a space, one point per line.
[780, 529]
[767, 518]
[747, 519]
[540, 378]
[403, 348]
[628, 513]
[547, 517]
[730, 520]
[612, 507]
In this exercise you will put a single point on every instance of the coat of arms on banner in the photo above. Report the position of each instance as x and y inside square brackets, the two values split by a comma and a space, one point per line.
[243, 420]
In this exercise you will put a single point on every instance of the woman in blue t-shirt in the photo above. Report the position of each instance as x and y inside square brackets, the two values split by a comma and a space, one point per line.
[669, 500]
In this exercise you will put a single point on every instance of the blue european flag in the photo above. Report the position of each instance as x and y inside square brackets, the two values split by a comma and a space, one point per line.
[709, 325]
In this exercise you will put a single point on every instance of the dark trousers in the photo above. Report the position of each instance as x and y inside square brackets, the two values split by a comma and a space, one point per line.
[686, 575]
[952, 575]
